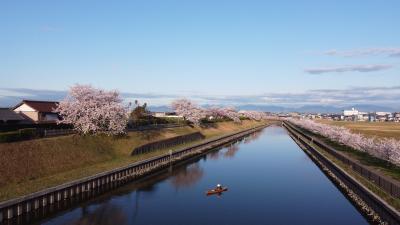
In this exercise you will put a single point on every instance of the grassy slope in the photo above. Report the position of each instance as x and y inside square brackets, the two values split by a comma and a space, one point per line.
[378, 129]
[30, 166]
[395, 202]
[377, 164]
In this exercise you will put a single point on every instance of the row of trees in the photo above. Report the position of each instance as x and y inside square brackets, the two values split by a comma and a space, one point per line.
[384, 148]
[195, 114]
[93, 111]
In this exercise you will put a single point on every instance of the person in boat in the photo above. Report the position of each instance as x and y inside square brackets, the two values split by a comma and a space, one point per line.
[219, 187]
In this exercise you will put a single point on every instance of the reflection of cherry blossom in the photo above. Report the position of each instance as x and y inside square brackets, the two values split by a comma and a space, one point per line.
[187, 177]
[106, 214]
[214, 155]
[252, 137]
[232, 150]
[383, 148]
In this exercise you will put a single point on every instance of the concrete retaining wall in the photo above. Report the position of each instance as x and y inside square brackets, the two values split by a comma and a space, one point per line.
[168, 143]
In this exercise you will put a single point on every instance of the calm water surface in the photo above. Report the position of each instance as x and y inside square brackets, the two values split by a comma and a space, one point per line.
[270, 180]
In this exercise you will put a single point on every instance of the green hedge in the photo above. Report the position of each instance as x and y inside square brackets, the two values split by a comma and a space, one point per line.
[23, 134]
[150, 120]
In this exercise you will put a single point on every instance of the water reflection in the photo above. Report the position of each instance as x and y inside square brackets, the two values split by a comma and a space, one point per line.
[231, 151]
[187, 177]
[106, 214]
[252, 137]
[213, 155]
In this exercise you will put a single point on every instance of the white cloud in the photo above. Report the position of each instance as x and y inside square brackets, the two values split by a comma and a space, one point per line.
[385, 96]
[391, 52]
[348, 68]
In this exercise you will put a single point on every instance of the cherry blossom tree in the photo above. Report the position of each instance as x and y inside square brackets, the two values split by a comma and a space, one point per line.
[93, 111]
[194, 113]
[383, 148]
[215, 112]
[188, 110]
[224, 112]
[254, 115]
[232, 114]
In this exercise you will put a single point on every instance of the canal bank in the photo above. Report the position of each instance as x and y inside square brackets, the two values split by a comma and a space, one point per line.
[14, 210]
[372, 206]
[270, 181]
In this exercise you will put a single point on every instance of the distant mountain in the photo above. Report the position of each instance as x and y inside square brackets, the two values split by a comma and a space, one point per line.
[162, 108]
[375, 108]
[10, 101]
[265, 108]
[317, 108]
[302, 109]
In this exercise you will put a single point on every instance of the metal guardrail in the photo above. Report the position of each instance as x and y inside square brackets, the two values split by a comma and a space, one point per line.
[57, 132]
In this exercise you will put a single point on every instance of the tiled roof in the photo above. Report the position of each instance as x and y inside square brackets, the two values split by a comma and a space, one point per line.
[40, 106]
[7, 114]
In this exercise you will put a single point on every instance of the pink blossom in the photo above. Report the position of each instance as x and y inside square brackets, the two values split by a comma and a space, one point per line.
[93, 111]
[188, 110]
[384, 148]
[194, 113]
[254, 115]
[225, 112]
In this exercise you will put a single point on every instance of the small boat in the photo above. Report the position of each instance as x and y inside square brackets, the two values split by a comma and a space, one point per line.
[216, 191]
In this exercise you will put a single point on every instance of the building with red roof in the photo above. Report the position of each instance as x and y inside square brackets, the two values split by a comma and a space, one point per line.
[38, 111]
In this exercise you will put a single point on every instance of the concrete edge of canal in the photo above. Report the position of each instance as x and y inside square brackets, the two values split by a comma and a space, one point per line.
[89, 187]
[368, 203]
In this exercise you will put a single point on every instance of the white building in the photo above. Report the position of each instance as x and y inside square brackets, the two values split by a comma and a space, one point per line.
[166, 115]
[352, 112]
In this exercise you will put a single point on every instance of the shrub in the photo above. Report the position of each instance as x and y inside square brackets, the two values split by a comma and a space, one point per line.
[27, 133]
[9, 136]
[23, 134]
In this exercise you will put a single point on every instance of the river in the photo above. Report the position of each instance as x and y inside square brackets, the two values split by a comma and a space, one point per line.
[270, 179]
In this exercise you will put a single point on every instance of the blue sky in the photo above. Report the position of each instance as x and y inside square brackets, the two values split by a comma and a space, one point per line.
[212, 49]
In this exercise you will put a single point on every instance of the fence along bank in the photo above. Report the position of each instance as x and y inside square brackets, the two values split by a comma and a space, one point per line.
[378, 204]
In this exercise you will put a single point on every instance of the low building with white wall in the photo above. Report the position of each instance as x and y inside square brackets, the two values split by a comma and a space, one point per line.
[38, 111]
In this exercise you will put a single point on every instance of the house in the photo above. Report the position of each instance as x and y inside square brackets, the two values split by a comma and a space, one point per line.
[8, 116]
[363, 116]
[166, 115]
[384, 116]
[38, 111]
[396, 117]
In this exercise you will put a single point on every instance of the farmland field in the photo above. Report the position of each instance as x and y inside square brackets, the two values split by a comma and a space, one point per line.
[377, 129]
